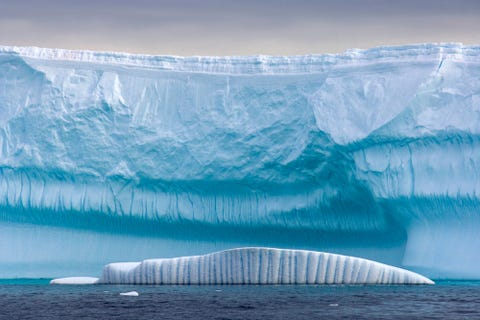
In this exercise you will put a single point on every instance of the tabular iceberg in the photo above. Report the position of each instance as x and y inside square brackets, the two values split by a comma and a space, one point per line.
[259, 266]
[115, 157]
[75, 280]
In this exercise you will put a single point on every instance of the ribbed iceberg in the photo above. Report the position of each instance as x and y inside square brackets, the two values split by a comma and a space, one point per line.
[115, 157]
[259, 266]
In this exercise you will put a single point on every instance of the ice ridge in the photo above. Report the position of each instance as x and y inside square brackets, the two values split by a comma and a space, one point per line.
[259, 266]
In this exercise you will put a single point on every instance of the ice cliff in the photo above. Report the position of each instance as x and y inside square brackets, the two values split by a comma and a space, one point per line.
[112, 157]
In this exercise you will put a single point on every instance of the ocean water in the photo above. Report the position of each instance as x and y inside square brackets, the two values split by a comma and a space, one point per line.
[35, 299]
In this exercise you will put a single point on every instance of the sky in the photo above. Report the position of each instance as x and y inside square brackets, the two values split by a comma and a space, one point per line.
[242, 27]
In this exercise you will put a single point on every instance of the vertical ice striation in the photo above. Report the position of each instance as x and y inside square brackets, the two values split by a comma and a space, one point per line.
[371, 153]
[259, 266]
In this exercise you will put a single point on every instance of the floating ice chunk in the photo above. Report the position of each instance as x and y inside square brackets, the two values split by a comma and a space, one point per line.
[259, 266]
[130, 294]
[75, 280]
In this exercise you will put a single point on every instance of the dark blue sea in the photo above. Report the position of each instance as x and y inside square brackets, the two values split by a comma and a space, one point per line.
[35, 299]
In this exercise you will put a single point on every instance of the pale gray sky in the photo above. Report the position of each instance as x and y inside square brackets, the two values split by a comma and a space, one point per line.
[243, 27]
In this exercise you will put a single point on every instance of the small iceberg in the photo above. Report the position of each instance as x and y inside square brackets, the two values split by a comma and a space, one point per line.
[75, 280]
[259, 266]
[130, 294]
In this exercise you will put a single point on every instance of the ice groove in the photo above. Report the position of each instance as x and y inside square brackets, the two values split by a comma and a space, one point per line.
[292, 269]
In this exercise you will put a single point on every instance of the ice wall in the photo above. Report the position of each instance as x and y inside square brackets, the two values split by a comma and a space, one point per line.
[372, 153]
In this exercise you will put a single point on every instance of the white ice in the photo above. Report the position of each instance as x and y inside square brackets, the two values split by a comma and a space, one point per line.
[259, 266]
[130, 294]
[75, 280]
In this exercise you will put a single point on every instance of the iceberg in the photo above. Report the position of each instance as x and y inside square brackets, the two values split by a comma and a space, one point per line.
[116, 157]
[258, 266]
[129, 294]
[75, 280]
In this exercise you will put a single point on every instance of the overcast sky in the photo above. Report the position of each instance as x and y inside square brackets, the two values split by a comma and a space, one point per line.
[243, 27]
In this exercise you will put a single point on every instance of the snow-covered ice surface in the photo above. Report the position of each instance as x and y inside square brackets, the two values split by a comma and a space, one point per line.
[259, 266]
[115, 157]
